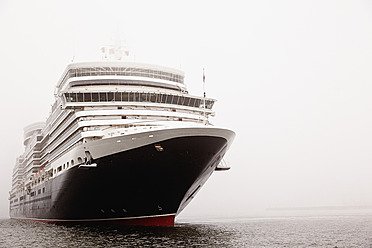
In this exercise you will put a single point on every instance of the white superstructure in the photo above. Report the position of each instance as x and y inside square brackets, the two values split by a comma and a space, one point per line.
[106, 100]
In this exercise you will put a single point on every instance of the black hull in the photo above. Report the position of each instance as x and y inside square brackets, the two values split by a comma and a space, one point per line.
[143, 183]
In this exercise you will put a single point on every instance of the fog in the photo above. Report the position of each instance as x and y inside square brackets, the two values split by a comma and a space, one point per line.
[292, 79]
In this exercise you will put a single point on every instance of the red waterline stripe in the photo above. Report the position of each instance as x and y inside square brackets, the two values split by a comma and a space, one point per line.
[167, 220]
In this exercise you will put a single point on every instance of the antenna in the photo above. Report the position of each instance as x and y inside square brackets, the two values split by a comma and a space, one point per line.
[73, 50]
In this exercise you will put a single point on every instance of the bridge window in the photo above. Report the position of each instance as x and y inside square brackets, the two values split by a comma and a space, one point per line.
[152, 97]
[163, 98]
[136, 96]
[118, 96]
[125, 97]
[87, 97]
[110, 96]
[95, 97]
[175, 99]
[139, 97]
[169, 99]
[143, 97]
[130, 97]
[197, 103]
[187, 101]
[192, 102]
[102, 97]
[181, 100]
[79, 97]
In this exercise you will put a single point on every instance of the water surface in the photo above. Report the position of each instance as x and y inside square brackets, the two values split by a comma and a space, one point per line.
[328, 231]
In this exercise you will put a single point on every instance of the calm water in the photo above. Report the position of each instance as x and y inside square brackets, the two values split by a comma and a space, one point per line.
[330, 231]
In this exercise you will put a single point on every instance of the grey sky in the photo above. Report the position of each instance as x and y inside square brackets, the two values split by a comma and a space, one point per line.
[292, 78]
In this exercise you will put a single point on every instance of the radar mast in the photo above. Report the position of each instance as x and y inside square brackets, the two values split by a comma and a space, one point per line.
[117, 51]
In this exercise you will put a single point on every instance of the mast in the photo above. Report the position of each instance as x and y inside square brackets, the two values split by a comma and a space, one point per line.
[205, 113]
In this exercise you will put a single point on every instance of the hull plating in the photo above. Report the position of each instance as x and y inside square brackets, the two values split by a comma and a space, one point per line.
[148, 184]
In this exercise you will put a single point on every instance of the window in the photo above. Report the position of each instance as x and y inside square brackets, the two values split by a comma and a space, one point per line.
[175, 99]
[125, 97]
[139, 97]
[131, 97]
[123, 71]
[110, 96]
[39, 192]
[197, 103]
[72, 162]
[192, 102]
[143, 97]
[95, 97]
[152, 97]
[87, 97]
[169, 99]
[187, 101]
[164, 98]
[79, 97]
[182, 99]
[102, 97]
[73, 97]
[136, 96]
[209, 104]
[117, 96]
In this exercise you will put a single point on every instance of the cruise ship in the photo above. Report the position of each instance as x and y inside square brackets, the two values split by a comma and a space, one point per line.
[125, 143]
